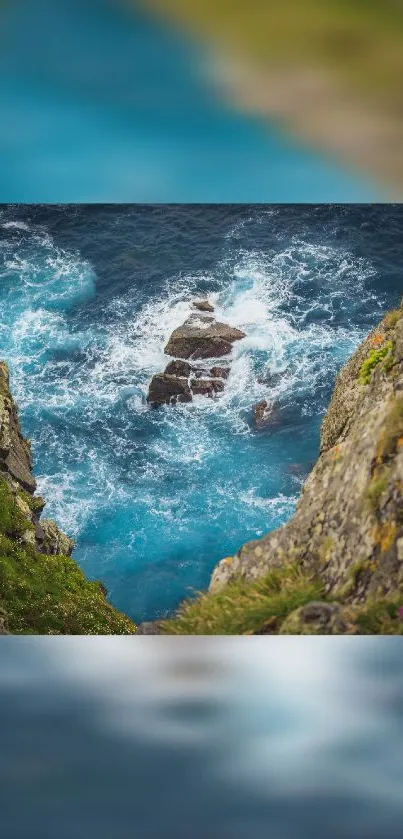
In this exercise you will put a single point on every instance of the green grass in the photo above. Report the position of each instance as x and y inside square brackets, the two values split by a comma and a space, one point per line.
[245, 608]
[381, 618]
[48, 595]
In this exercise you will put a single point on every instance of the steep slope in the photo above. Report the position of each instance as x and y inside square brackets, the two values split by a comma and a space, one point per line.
[42, 589]
[346, 537]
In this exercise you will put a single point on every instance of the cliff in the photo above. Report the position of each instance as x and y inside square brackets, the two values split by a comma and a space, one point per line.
[42, 589]
[337, 566]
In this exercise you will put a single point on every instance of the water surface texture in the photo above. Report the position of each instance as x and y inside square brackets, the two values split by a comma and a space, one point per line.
[89, 296]
[101, 102]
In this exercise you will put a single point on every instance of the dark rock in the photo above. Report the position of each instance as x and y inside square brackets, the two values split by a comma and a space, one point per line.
[178, 368]
[203, 305]
[148, 628]
[206, 387]
[165, 389]
[219, 372]
[202, 337]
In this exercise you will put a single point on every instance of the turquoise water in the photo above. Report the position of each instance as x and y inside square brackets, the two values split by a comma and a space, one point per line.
[99, 102]
[88, 298]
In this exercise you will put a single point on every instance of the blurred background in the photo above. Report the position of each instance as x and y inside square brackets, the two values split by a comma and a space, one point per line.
[172, 101]
[236, 738]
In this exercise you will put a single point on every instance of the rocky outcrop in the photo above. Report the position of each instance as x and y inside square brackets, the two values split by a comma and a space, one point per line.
[203, 306]
[42, 590]
[166, 389]
[201, 337]
[348, 526]
[15, 452]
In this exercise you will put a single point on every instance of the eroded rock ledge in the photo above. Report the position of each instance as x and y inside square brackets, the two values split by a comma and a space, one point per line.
[42, 589]
[347, 532]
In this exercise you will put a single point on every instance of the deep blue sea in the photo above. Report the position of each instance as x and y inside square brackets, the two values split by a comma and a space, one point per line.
[89, 296]
[101, 101]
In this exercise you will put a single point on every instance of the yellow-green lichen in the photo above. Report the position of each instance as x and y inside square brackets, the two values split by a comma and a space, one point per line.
[373, 359]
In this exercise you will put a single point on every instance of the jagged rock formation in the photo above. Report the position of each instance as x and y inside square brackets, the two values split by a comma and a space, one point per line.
[347, 532]
[201, 337]
[42, 589]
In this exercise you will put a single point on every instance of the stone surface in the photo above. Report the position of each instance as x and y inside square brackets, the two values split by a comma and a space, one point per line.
[206, 387]
[202, 337]
[219, 372]
[148, 628]
[203, 305]
[348, 526]
[165, 389]
[15, 452]
[55, 541]
[178, 368]
[319, 618]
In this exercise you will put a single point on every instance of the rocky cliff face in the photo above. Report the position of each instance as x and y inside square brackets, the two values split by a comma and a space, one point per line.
[347, 533]
[42, 590]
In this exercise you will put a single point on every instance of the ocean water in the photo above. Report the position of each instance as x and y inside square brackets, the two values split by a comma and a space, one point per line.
[90, 294]
[234, 738]
[101, 101]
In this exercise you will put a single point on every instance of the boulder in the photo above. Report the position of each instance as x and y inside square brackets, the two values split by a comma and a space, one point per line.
[206, 387]
[178, 368]
[54, 540]
[203, 305]
[202, 337]
[165, 389]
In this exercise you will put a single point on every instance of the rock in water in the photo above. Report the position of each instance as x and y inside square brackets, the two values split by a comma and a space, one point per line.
[203, 305]
[219, 372]
[262, 413]
[202, 337]
[206, 387]
[178, 368]
[165, 389]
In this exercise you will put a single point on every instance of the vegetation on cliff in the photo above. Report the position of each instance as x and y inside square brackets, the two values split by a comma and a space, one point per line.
[42, 589]
[338, 563]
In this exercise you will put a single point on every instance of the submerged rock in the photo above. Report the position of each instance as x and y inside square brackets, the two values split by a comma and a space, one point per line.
[203, 305]
[202, 337]
[165, 389]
